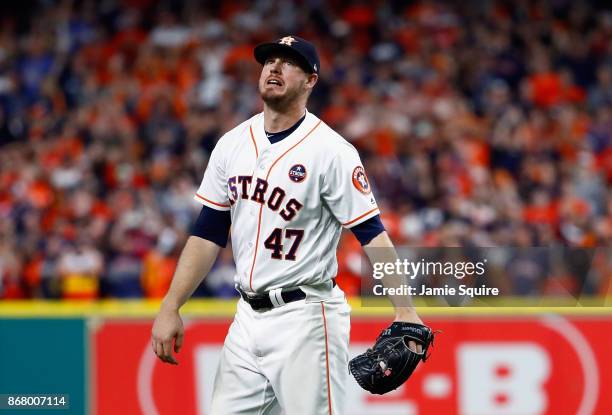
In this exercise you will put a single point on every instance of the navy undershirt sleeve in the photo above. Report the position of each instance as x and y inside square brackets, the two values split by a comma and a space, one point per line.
[213, 225]
[368, 230]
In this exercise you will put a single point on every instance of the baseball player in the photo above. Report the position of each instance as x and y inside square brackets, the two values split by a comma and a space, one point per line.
[287, 184]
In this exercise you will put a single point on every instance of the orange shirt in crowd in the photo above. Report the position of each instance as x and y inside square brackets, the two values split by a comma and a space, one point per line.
[546, 89]
[157, 274]
[349, 256]
[541, 214]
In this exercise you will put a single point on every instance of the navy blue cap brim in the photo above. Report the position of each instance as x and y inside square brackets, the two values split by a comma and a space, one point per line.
[264, 50]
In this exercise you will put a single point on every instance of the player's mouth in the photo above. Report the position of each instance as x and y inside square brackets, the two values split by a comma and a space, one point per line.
[274, 81]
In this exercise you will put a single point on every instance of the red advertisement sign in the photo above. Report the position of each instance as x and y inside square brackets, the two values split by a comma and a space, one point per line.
[479, 366]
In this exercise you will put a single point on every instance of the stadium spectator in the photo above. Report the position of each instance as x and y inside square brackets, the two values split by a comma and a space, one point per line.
[159, 264]
[479, 123]
[79, 268]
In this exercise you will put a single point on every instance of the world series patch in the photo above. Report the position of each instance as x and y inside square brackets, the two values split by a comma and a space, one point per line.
[297, 173]
[360, 180]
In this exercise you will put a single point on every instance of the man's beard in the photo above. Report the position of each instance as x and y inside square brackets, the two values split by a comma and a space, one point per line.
[280, 102]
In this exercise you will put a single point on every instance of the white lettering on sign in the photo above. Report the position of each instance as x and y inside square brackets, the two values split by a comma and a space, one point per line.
[502, 378]
[206, 360]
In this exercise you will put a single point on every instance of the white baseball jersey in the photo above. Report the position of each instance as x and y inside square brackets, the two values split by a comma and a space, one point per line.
[288, 201]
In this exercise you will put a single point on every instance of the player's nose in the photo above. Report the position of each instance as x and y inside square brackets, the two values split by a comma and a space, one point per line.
[276, 65]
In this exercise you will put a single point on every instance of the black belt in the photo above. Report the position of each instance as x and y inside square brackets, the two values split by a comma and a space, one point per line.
[264, 302]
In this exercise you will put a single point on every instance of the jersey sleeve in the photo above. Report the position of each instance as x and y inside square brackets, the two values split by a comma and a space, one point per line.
[213, 189]
[347, 191]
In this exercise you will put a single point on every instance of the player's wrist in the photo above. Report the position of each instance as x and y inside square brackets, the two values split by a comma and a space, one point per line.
[408, 314]
[170, 305]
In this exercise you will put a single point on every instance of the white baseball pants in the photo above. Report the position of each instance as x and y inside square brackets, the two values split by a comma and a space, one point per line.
[289, 360]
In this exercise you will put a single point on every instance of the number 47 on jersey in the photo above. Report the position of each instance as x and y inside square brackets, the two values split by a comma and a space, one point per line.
[274, 242]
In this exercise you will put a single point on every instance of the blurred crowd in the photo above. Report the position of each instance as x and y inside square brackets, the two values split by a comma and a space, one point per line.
[485, 123]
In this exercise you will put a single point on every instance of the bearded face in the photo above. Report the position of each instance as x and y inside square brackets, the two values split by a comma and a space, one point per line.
[282, 81]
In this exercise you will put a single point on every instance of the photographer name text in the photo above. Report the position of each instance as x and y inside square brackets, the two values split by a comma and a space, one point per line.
[424, 290]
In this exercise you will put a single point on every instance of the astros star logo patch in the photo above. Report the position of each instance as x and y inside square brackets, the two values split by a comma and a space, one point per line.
[287, 40]
[360, 180]
[297, 173]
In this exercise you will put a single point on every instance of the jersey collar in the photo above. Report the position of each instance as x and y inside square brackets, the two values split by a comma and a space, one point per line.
[262, 141]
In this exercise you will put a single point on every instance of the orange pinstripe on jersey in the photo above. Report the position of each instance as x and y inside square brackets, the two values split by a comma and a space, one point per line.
[253, 140]
[329, 402]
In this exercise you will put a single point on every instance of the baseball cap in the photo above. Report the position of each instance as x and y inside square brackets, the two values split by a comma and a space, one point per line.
[301, 49]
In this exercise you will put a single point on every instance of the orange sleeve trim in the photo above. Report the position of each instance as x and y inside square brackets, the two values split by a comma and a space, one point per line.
[253, 140]
[214, 203]
[359, 217]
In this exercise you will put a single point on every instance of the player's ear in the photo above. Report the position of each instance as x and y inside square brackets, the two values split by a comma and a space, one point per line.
[311, 80]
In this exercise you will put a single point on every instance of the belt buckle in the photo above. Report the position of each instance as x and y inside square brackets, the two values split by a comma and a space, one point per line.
[255, 296]
[246, 295]
[251, 298]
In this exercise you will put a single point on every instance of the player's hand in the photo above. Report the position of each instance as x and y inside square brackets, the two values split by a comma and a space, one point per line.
[409, 315]
[168, 327]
